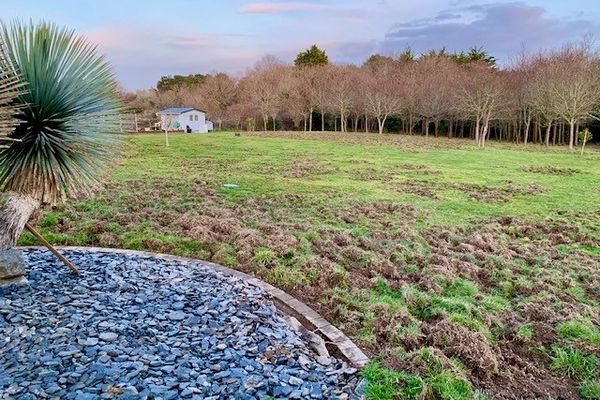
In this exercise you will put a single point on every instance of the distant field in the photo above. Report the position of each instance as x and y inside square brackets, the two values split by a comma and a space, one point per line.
[463, 272]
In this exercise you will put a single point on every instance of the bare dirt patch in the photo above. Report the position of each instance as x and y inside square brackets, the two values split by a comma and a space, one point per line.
[475, 192]
[304, 168]
[537, 169]
[419, 169]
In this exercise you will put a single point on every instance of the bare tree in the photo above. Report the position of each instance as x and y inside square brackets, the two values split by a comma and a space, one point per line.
[535, 88]
[434, 89]
[299, 103]
[317, 81]
[264, 87]
[382, 91]
[219, 91]
[342, 83]
[481, 98]
[464, 92]
[573, 84]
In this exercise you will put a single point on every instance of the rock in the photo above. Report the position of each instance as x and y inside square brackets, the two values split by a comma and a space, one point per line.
[18, 280]
[315, 391]
[303, 361]
[326, 361]
[120, 323]
[295, 381]
[12, 264]
[177, 316]
[108, 336]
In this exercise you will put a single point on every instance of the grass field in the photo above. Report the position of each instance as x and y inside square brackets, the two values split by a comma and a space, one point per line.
[464, 273]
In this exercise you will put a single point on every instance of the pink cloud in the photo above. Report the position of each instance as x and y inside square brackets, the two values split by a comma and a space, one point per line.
[276, 8]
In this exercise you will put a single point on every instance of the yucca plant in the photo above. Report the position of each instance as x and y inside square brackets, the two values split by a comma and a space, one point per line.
[66, 121]
[10, 87]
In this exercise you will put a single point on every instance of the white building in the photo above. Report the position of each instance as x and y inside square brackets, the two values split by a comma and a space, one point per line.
[179, 119]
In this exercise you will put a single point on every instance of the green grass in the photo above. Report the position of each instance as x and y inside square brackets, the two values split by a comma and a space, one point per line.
[368, 230]
[579, 330]
[385, 384]
[590, 389]
[573, 362]
[242, 160]
[437, 381]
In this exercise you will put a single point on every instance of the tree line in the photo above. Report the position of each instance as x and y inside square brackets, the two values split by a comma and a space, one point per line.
[544, 98]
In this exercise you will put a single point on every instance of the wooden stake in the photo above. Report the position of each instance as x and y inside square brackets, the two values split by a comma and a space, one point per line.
[51, 248]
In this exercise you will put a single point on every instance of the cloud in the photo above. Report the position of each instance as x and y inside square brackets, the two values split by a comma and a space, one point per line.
[500, 28]
[279, 8]
[189, 42]
[140, 56]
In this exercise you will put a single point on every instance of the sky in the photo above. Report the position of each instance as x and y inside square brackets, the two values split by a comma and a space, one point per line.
[146, 39]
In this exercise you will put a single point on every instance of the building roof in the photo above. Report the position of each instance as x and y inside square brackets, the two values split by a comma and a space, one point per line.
[177, 110]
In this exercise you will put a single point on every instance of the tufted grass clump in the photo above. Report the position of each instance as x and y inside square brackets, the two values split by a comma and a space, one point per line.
[573, 362]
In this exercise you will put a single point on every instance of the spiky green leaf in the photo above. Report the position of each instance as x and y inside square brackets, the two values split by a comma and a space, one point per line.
[70, 113]
[10, 87]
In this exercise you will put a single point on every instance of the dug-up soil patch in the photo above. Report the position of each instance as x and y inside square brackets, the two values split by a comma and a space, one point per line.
[475, 192]
[549, 170]
[305, 168]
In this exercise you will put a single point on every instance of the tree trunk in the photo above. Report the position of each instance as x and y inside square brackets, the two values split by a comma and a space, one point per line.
[323, 121]
[310, 120]
[274, 126]
[527, 123]
[13, 216]
[486, 130]
[426, 126]
[547, 139]
[381, 122]
[265, 118]
[571, 134]
[583, 145]
[366, 123]
[436, 126]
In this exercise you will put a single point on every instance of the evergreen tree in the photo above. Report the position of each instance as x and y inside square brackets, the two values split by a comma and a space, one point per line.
[311, 57]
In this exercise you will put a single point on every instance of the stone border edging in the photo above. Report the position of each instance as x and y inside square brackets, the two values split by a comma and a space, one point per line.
[286, 303]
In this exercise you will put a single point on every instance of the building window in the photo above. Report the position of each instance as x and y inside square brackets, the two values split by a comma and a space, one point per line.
[196, 117]
[191, 117]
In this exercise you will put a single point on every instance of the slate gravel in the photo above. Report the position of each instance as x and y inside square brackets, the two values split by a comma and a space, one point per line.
[137, 327]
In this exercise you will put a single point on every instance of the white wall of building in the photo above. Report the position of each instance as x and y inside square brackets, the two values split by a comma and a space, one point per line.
[193, 118]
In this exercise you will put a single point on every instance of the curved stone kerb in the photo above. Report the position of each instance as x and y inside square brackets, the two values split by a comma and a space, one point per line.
[286, 303]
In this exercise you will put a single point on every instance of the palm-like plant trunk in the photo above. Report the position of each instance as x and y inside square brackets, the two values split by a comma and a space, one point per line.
[13, 216]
